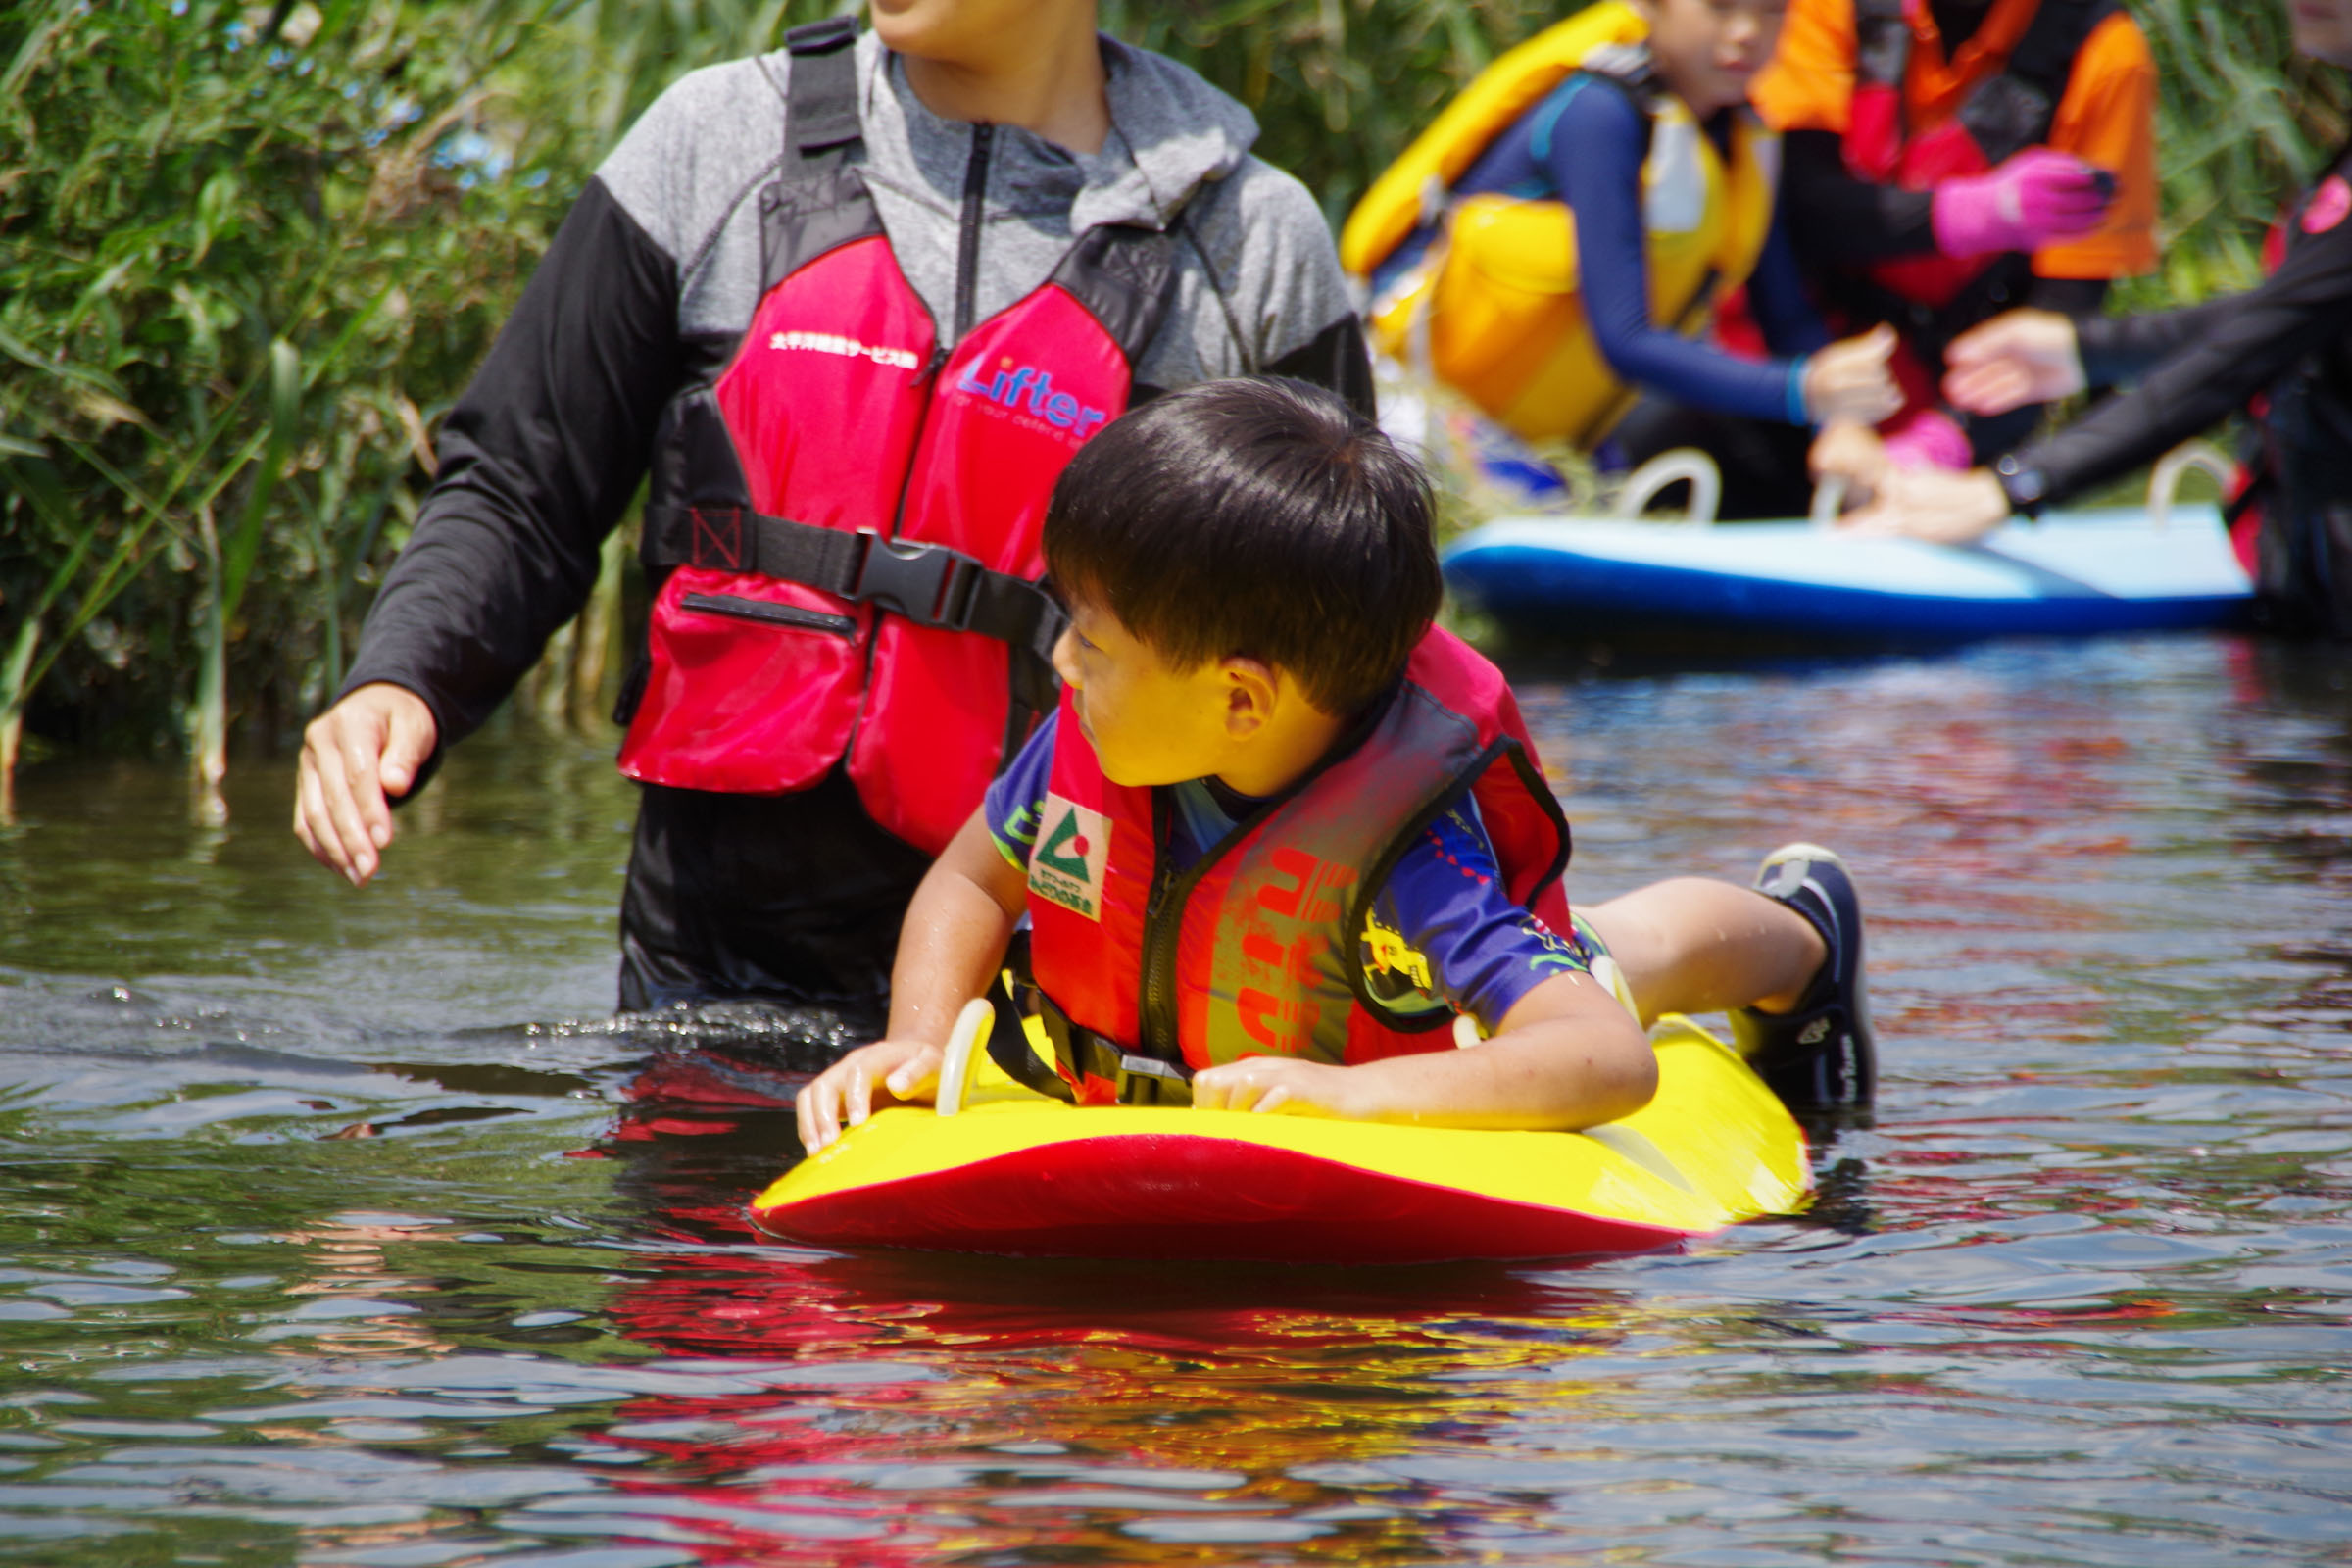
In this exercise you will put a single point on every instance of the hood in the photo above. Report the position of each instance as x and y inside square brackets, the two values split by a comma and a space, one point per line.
[1172, 132]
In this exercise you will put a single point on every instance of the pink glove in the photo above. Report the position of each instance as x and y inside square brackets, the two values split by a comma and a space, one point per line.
[2035, 197]
[1928, 439]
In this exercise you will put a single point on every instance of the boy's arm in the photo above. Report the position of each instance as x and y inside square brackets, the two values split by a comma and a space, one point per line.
[949, 951]
[1568, 1055]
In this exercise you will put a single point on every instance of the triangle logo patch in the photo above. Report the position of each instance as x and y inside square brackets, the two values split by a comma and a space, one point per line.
[1074, 844]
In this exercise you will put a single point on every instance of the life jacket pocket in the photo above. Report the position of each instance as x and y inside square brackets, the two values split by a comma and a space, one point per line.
[924, 676]
[752, 683]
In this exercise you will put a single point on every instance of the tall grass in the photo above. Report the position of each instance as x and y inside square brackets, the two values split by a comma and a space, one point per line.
[249, 253]
[247, 257]
[2243, 121]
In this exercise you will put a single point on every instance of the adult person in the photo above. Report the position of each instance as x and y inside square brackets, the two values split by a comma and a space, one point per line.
[1947, 160]
[861, 286]
[1603, 184]
[2284, 346]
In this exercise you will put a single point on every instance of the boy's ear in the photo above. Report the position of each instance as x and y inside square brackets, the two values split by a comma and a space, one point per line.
[1251, 692]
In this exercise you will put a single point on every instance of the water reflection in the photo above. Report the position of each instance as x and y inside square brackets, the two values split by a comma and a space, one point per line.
[348, 1228]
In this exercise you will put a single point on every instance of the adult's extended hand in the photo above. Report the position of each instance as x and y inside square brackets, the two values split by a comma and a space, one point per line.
[1934, 503]
[2015, 359]
[366, 748]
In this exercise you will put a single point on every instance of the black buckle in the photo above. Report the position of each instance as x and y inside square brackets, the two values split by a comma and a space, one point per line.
[930, 586]
[1149, 1081]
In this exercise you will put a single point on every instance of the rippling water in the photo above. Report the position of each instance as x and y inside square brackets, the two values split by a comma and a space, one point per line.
[343, 1228]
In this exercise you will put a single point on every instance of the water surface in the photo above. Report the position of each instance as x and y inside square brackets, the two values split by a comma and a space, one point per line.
[346, 1227]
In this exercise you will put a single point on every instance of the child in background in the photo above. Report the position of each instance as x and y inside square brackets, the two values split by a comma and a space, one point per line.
[1283, 834]
[1602, 186]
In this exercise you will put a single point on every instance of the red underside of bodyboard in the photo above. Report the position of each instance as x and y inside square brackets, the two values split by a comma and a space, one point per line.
[1159, 1197]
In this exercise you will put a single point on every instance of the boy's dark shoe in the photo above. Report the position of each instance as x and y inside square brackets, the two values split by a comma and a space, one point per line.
[1819, 1056]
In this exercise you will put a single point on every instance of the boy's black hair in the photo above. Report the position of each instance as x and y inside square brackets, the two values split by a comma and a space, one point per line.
[1261, 518]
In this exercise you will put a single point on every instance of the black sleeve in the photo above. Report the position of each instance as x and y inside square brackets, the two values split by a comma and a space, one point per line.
[2078, 297]
[2117, 349]
[1835, 218]
[2243, 346]
[538, 460]
[1336, 357]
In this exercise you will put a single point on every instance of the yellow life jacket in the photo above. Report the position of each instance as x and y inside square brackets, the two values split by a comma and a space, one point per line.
[1493, 306]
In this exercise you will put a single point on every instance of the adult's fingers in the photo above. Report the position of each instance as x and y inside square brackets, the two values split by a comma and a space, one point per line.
[338, 833]
[2010, 333]
[1990, 389]
[412, 734]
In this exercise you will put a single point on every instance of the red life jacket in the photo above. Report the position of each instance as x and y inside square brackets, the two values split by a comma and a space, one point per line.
[1259, 947]
[2006, 113]
[847, 511]
[2295, 477]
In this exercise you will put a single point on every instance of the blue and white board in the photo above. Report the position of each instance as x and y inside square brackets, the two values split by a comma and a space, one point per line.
[2072, 575]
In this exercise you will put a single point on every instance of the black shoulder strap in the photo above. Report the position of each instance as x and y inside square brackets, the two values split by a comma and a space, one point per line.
[821, 125]
[1882, 43]
[2012, 111]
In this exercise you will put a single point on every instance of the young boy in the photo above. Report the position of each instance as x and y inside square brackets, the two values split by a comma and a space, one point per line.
[1283, 832]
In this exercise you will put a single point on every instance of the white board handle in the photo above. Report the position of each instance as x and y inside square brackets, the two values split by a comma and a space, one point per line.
[1642, 486]
[2165, 479]
[1829, 502]
[964, 1042]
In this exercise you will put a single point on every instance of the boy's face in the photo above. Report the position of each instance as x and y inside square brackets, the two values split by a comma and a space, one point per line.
[1149, 723]
[1710, 50]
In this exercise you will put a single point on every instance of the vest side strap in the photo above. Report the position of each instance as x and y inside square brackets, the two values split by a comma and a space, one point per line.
[928, 584]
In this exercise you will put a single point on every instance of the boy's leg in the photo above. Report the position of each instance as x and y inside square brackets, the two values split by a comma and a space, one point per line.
[1786, 959]
[1692, 945]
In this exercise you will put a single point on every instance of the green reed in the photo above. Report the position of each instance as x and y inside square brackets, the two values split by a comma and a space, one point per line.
[250, 253]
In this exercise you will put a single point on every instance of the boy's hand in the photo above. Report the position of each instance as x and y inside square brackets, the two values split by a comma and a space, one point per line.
[900, 1072]
[1282, 1083]
[1849, 381]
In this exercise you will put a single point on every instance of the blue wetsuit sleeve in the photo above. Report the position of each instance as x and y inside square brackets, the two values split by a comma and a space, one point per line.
[1015, 797]
[1594, 157]
[1444, 924]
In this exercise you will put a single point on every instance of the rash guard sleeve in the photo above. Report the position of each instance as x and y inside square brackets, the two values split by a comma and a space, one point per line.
[1017, 795]
[1443, 926]
[1595, 156]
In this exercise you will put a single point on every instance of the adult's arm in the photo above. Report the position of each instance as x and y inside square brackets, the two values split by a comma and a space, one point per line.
[2119, 349]
[2240, 347]
[1843, 221]
[1595, 155]
[538, 460]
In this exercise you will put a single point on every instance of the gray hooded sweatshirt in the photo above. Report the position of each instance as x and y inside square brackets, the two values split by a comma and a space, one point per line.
[648, 287]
